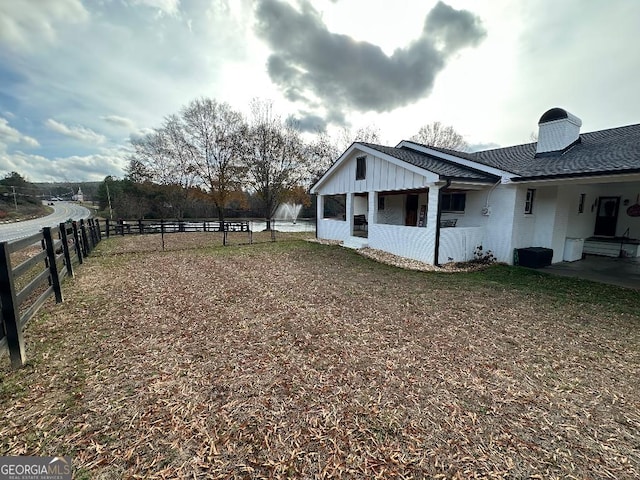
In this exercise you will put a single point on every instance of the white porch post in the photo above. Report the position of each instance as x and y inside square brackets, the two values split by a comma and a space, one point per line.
[319, 212]
[432, 220]
[372, 216]
[320, 207]
[349, 212]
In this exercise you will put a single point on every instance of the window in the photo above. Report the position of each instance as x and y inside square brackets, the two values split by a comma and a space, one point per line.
[453, 202]
[361, 168]
[380, 202]
[335, 207]
[528, 202]
[581, 204]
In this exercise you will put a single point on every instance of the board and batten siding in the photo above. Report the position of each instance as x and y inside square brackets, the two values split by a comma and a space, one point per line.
[381, 175]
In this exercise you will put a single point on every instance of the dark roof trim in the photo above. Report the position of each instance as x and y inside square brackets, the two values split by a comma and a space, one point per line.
[489, 181]
[492, 177]
[555, 153]
[600, 173]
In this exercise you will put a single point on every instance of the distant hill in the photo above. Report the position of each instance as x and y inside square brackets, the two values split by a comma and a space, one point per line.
[66, 190]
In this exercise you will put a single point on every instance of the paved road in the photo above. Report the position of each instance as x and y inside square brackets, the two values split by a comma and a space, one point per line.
[63, 212]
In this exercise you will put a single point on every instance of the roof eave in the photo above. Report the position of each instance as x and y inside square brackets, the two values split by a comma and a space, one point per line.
[562, 176]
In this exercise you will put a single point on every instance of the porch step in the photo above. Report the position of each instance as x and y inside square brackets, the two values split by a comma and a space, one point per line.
[609, 249]
[355, 243]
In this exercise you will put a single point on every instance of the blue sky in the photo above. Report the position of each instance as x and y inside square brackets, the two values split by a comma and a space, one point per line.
[79, 78]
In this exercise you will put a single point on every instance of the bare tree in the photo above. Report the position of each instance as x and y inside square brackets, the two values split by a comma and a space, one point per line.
[275, 158]
[322, 152]
[165, 157]
[443, 136]
[367, 134]
[214, 133]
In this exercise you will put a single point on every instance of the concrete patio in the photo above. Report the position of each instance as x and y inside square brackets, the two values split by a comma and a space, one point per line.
[624, 272]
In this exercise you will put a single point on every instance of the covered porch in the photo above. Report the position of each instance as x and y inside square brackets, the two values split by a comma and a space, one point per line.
[427, 224]
[587, 217]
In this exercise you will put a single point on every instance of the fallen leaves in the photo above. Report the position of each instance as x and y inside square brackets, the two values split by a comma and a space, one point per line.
[280, 361]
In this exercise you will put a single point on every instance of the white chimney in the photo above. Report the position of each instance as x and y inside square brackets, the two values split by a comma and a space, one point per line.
[557, 130]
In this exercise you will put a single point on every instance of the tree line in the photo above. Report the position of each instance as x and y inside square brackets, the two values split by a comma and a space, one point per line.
[210, 160]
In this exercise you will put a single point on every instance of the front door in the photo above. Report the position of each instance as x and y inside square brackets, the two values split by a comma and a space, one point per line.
[607, 217]
[411, 216]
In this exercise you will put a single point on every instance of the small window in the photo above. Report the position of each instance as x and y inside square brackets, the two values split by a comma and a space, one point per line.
[581, 204]
[380, 202]
[361, 168]
[528, 202]
[453, 202]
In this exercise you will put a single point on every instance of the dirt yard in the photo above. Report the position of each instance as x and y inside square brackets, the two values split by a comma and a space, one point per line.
[294, 359]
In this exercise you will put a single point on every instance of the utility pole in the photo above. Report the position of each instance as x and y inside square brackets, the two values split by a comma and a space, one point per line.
[15, 201]
[106, 183]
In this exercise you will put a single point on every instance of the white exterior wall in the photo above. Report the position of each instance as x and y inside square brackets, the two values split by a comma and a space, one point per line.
[580, 225]
[458, 244]
[330, 229]
[381, 175]
[498, 232]
[360, 206]
[472, 215]
[409, 242]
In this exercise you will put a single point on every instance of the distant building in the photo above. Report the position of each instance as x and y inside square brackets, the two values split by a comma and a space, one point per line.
[79, 197]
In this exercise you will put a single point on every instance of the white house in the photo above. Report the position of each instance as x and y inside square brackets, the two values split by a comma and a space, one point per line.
[566, 192]
[78, 197]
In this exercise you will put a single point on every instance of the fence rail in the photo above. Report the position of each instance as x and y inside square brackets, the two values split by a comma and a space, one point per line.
[146, 226]
[25, 287]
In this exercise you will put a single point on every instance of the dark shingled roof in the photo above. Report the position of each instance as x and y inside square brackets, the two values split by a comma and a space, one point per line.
[615, 150]
[433, 164]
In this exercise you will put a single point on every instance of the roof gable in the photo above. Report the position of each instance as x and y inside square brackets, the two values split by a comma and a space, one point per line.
[412, 160]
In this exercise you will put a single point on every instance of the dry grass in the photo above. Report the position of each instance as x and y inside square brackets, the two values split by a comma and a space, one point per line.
[293, 359]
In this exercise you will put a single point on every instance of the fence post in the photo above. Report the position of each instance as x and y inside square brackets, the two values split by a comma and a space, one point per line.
[273, 230]
[98, 232]
[10, 314]
[121, 224]
[86, 248]
[92, 233]
[53, 266]
[65, 248]
[140, 227]
[106, 226]
[162, 232]
[76, 241]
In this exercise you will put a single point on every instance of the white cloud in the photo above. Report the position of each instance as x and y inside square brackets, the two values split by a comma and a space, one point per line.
[170, 7]
[78, 132]
[8, 134]
[119, 121]
[24, 22]
[85, 168]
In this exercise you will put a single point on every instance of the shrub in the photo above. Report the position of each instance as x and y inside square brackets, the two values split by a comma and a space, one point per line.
[484, 257]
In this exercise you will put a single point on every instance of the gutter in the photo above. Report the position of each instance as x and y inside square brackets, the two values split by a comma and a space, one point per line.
[436, 259]
[561, 176]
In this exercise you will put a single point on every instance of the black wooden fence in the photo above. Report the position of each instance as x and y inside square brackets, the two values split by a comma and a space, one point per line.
[62, 249]
[145, 226]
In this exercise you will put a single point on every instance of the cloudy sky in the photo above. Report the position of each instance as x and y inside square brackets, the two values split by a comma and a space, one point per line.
[78, 78]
